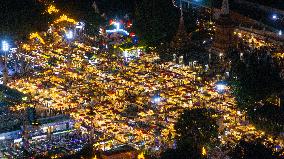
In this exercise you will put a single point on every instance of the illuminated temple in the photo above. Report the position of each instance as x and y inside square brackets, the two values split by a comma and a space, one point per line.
[224, 35]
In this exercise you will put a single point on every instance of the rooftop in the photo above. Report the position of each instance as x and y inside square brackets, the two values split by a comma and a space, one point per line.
[118, 150]
[54, 119]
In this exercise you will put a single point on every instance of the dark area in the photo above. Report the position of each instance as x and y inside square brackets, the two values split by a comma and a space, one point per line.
[20, 18]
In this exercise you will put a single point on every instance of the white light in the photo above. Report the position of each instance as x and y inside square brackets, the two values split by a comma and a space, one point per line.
[220, 87]
[125, 54]
[80, 25]
[274, 17]
[117, 25]
[117, 29]
[18, 140]
[280, 32]
[226, 132]
[69, 34]
[239, 113]
[5, 46]
[157, 99]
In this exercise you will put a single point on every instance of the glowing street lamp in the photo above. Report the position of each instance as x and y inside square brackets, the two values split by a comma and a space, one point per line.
[280, 33]
[5, 48]
[274, 17]
[220, 87]
[69, 35]
[157, 99]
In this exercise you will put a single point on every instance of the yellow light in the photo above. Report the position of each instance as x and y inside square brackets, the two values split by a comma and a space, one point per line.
[203, 151]
[26, 47]
[36, 36]
[65, 18]
[141, 156]
[25, 98]
[52, 9]
[129, 49]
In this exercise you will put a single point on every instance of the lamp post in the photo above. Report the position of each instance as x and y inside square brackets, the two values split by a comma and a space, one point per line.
[278, 21]
[274, 17]
[5, 48]
[220, 88]
[69, 36]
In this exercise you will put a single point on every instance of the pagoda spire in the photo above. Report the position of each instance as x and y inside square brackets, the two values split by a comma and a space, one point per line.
[96, 7]
[181, 11]
[224, 34]
[181, 38]
[225, 8]
[181, 27]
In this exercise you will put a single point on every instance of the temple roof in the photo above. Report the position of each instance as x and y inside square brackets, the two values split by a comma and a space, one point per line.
[181, 38]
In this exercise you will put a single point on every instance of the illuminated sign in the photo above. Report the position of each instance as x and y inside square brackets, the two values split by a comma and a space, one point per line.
[117, 29]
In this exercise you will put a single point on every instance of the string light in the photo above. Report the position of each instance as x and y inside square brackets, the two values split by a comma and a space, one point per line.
[37, 36]
[52, 9]
[64, 18]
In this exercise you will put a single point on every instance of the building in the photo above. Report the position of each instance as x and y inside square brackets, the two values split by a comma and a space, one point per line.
[10, 125]
[181, 39]
[48, 126]
[224, 35]
[122, 152]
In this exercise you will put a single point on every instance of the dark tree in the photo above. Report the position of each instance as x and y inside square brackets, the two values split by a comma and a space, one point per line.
[156, 21]
[195, 129]
[182, 154]
[83, 11]
[116, 8]
[269, 118]
[252, 150]
[20, 18]
[256, 83]
[254, 80]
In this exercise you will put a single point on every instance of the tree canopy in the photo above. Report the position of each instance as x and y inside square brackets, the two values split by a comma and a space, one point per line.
[83, 11]
[257, 85]
[119, 8]
[254, 80]
[155, 20]
[252, 150]
[20, 18]
[196, 129]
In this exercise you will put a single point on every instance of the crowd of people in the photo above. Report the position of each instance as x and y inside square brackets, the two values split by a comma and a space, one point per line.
[98, 88]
